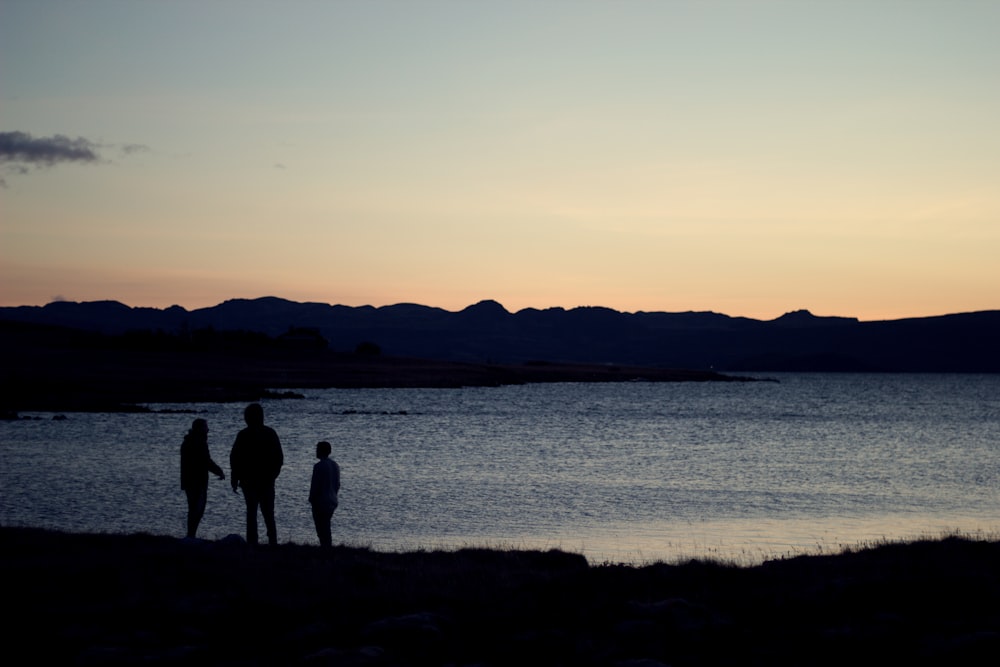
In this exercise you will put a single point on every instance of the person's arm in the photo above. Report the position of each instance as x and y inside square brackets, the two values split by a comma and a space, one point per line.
[234, 479]
[314, 485]
[213, 467]
[277, 456]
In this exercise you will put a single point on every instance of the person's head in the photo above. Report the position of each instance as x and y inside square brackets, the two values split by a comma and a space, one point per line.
[199, 427]
[323, 449]
[253, 415]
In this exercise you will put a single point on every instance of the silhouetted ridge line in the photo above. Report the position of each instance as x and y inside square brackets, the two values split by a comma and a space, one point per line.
[486, 332]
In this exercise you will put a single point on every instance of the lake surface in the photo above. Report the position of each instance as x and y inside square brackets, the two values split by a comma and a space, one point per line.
[629, 472]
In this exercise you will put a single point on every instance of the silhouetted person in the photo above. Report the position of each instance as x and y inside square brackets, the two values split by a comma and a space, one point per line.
[323, 492]
[196, 463]
[256, 460]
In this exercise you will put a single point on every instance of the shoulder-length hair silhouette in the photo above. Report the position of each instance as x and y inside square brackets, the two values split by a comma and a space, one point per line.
[196, 463]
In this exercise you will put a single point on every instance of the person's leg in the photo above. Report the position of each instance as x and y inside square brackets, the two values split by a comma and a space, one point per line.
[267, 509]
[328, 524]
[196, 509]
[322, 521]
[253, 501]
[318, 522]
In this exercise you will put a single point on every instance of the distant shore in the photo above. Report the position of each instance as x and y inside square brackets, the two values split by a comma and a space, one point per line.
[124, 599]
[48, 371]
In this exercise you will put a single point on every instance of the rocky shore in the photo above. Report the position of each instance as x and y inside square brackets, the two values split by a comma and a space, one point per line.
[142, 599]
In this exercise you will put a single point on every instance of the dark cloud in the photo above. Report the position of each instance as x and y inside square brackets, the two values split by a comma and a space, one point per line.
[20, 152]
[22, 148]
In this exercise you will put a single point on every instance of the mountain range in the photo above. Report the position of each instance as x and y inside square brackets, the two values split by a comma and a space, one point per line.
[487, 332]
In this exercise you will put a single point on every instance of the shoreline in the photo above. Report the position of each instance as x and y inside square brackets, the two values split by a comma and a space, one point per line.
[118, 599]
[55, 377]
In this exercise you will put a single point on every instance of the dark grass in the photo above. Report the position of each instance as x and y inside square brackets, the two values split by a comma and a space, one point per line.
[141, 599]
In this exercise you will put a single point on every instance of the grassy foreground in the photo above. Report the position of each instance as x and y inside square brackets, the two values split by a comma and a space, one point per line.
[79, 599]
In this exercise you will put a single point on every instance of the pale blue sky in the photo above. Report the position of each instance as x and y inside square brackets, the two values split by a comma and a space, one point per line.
[745, 157]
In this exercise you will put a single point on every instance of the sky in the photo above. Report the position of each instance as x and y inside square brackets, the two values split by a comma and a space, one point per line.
[745, 157]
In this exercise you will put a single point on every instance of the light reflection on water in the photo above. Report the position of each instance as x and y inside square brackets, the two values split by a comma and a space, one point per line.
[620, 472]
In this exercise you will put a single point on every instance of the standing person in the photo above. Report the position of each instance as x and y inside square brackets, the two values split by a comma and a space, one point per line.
[323, 492]
[256, 460]
[196, 463]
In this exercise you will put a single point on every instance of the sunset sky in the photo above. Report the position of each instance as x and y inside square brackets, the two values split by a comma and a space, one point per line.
[745, 157]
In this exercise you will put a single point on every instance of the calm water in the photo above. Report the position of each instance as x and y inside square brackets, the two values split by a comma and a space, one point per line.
[619, 472]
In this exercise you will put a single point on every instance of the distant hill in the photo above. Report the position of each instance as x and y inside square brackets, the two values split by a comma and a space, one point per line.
[487, 332]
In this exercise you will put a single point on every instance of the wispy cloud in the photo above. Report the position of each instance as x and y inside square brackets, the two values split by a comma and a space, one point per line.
[132, 149]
